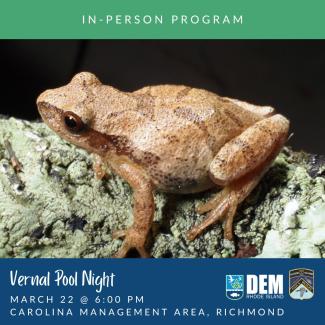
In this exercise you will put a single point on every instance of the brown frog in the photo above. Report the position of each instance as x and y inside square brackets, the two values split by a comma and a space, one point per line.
[168, 138]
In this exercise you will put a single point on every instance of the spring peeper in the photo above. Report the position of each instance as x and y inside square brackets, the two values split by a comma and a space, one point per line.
[168, 138]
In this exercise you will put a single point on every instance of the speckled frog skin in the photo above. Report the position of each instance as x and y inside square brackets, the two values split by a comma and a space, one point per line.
[168, 138]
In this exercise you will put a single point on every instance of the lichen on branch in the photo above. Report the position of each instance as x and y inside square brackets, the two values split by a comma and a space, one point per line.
[52, 205]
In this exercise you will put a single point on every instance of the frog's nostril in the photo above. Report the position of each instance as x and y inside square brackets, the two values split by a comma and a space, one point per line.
[43, 97]
[40, 107]
[43, 106]
[46, 110]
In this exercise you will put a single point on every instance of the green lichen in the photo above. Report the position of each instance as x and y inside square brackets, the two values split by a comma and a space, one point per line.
[56, 207]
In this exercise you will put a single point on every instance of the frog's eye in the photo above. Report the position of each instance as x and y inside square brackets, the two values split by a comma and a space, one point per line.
[73, 122]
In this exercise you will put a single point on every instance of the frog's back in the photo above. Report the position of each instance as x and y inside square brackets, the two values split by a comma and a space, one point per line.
[182, 130]
[174, 96]
[175, 108]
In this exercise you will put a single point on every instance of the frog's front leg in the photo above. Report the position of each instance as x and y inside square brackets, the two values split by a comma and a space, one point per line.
[143, 207]
[239, 166]
[100, 167]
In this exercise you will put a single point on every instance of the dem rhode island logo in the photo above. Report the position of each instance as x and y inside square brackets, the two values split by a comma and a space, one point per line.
[301, 284]
[234, 286]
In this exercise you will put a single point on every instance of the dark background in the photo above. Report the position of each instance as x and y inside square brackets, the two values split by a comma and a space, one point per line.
[288, 75]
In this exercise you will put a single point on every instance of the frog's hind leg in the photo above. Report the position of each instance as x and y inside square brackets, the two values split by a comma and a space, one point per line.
[239, 166]
[225, 206]
[218, 206]
[212, 203]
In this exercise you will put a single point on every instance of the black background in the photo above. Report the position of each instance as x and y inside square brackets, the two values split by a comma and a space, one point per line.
[288, 75]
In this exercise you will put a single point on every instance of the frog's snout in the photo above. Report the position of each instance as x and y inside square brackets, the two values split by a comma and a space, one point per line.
[43, 97]
[47, 111]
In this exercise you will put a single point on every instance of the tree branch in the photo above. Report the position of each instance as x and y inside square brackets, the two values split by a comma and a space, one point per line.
[53, 206]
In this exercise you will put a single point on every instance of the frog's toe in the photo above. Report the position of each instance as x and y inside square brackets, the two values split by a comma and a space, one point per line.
[101, 173]
[122, 252]
[126, 247]
[133, 240]
[100, 169]
[224, 207]
[214, 202]
[212, 217]
[117, 234]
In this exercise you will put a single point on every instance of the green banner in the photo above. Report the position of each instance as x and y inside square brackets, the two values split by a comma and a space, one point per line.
[165, 19]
